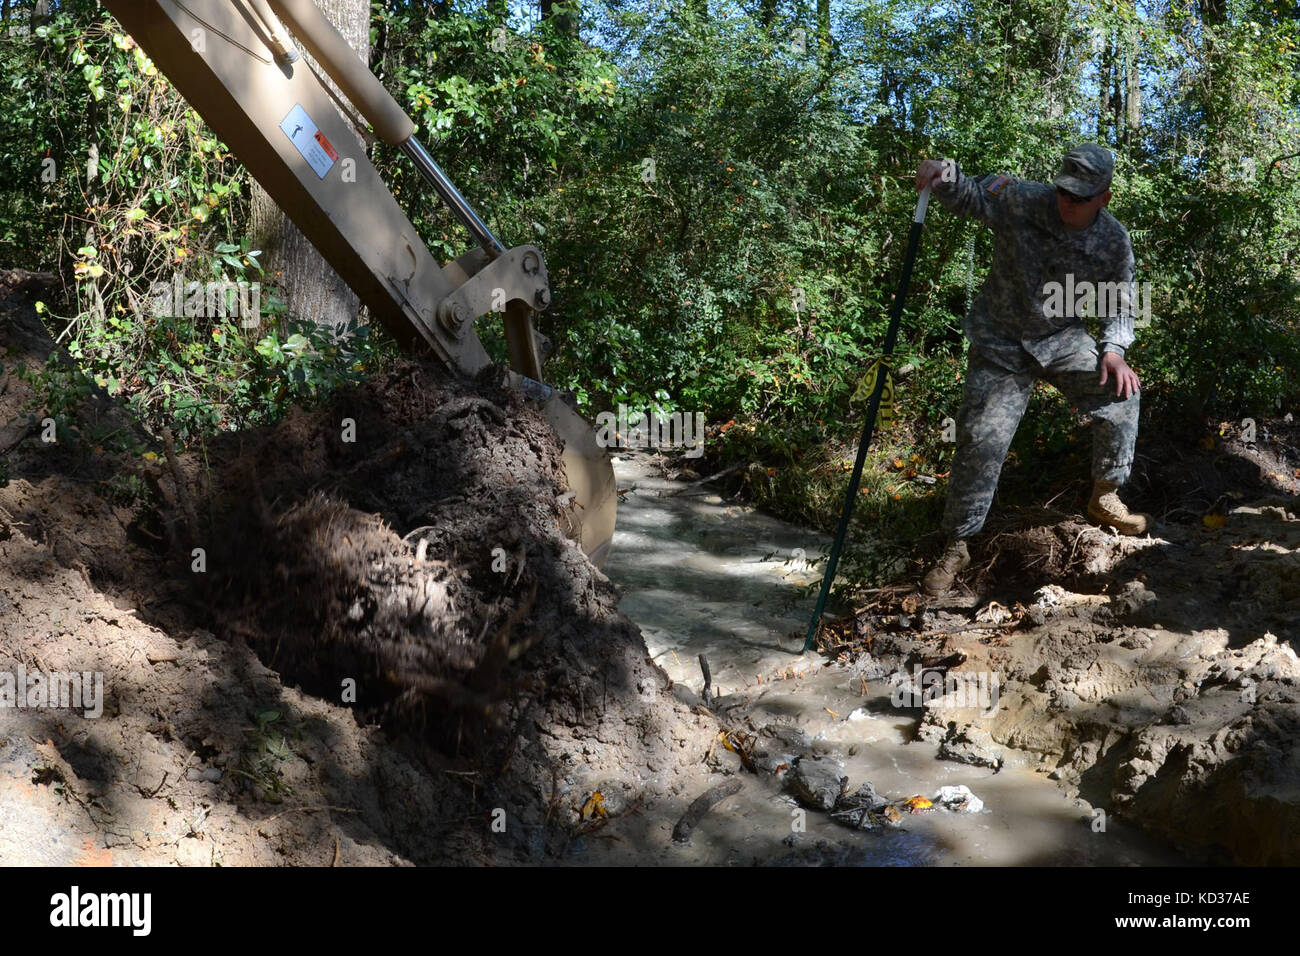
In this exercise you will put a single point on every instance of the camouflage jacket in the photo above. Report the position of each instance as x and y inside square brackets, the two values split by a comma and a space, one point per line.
[1018, 308]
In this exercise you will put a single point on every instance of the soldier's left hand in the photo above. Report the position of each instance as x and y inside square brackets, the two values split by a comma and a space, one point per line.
[1114, 367]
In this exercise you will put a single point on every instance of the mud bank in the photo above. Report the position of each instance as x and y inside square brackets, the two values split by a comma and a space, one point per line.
[317, 650]
[1160, 686]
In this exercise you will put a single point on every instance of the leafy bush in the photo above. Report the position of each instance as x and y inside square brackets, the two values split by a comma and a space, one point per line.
[139, 198]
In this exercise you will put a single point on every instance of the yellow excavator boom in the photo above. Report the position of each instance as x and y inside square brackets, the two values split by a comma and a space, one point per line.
[236, 63]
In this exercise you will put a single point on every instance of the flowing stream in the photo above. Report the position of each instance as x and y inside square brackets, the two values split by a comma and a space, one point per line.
[704, 576]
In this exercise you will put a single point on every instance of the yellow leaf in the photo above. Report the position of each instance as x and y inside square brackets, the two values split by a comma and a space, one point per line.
[594, 807]
[149, 456]
[1214, 520]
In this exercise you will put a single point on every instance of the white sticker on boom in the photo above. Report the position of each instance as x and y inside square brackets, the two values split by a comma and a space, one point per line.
[309, 140]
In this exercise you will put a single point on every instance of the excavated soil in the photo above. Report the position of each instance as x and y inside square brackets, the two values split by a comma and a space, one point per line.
[356, 637]
[359, 637]
[1154, 677]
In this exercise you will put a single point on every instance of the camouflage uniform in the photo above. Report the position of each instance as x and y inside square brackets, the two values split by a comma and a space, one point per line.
[1016, 339]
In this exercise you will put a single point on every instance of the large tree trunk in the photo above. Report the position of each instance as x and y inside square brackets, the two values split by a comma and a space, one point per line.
[1133, 97]
[311, 287]
[1105, 64]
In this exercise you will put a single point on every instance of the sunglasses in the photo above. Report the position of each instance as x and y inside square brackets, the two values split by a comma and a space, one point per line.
[1077, 200]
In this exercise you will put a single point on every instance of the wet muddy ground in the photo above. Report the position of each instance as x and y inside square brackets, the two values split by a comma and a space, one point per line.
[522, 716]
[703, 576]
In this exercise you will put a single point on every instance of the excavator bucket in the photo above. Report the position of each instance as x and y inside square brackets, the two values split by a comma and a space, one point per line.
[236, 63]
[591, 514]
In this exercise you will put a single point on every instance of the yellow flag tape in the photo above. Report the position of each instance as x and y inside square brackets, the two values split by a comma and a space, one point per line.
[887, 414]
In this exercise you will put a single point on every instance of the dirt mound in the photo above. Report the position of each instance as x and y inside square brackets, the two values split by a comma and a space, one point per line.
[406, 537]
[466, 679]
[1157, 679]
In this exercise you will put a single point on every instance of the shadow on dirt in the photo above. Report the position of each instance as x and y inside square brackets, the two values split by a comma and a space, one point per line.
[473, 680]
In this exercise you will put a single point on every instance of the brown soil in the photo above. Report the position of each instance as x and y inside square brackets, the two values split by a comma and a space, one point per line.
[1155, 677]
[391, 650]
[348, 680]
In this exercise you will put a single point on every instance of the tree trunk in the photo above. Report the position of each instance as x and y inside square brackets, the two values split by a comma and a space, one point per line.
[1133, 97]
[1117, 93]
[1105, 63]
[311, 288]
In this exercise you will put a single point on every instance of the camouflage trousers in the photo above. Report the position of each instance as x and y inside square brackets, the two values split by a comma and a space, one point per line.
[995, 398]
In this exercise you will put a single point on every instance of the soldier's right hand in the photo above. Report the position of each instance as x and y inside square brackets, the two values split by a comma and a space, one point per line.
[929, 173]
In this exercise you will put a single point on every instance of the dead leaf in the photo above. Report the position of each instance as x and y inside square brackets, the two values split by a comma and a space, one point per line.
[594, 807]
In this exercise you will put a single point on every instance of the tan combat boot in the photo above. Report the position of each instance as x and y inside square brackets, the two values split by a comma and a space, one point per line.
[956, 557]
[1106, 508]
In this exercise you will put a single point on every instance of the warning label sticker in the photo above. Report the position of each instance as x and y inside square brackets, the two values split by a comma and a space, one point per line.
[309, 140]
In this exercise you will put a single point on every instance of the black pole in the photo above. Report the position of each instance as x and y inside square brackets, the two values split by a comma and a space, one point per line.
[869, 426]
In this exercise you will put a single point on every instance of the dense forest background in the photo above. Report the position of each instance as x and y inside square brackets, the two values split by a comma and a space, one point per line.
[723, 192]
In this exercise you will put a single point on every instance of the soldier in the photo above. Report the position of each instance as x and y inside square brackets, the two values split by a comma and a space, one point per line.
[1048, 242]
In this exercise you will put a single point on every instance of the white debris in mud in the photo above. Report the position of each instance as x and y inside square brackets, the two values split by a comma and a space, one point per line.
[992, 613]
[958, 799]
[1049, 595]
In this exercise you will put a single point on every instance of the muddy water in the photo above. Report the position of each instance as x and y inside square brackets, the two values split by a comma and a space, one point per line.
[704, 576]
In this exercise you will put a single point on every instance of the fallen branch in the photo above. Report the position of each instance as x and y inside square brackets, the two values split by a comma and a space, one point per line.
[705, 481]
[701, 806]
[275, 816]
[706, 694]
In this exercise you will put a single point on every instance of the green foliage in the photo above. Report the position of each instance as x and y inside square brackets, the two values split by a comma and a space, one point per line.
[140, 198]
[723, 208]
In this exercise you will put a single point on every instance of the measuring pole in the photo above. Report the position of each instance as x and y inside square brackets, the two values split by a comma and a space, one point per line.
[869, 427]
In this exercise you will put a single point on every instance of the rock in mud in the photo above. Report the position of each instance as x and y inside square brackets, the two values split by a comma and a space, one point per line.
[776, 764]
[817, 783]
[794, 738]
[958, 799]
[971, 745]
[192, 852]
[858, 809]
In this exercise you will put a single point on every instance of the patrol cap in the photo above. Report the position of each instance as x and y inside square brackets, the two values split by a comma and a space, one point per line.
[1086, 170]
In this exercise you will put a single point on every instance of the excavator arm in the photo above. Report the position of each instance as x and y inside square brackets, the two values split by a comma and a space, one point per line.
[237, 64]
